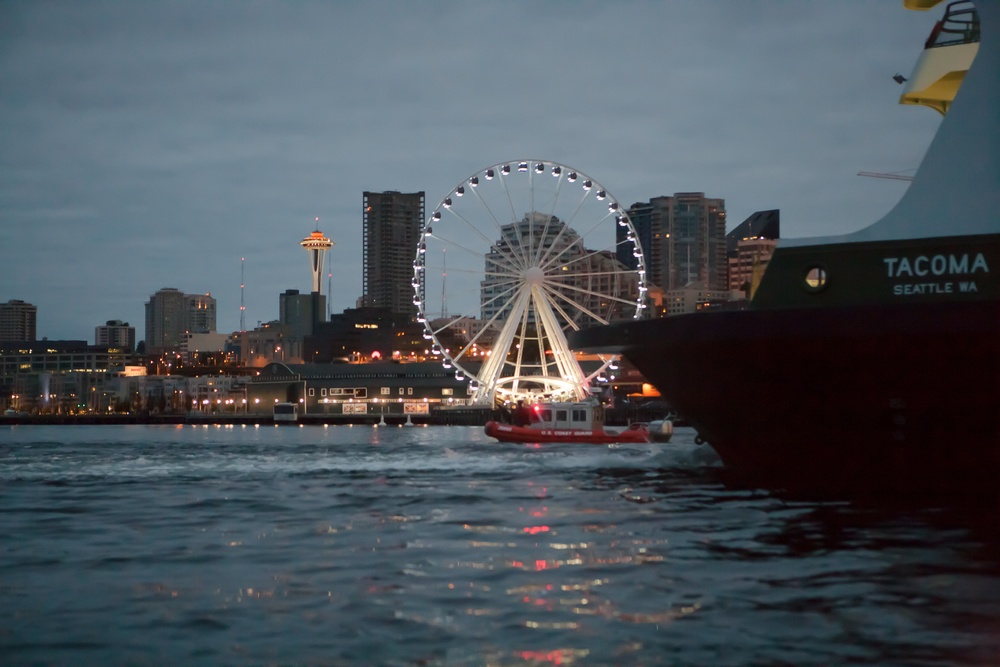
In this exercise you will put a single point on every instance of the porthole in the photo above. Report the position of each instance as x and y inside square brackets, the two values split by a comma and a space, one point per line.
[816, 279]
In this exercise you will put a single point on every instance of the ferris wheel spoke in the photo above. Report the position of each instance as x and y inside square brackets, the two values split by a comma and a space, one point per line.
[479, 272]
[575, 245]
[471, 314]
[523, 326]
[593, 293]
[493, 367]
[586, 255]
[570, 322]
[581, 241]
[452, 244]
[604, 218]
[502, 266]
[563, 358]
[579, 307]
[567, 225]
[513, 291]
[557, 276]
[498, 226]
[524, 255]
[473, 227]
[551, 214]
[490, 324]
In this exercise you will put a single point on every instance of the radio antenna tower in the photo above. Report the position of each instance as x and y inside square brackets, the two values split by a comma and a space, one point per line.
[444, 281]
[243, 306]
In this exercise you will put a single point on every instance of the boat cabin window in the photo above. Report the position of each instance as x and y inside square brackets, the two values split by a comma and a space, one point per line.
[544, 416]
[579, 415]
[560, 415]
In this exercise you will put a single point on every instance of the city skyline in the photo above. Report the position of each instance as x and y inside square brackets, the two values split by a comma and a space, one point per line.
[146, 149]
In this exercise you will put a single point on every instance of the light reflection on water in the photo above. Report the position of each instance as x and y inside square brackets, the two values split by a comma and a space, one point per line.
[354, 545]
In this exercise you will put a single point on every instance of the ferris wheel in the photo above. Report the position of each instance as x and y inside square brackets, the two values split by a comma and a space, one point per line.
[514, 257]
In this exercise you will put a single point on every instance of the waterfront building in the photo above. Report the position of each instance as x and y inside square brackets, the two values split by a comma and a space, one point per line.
[115, 333]
[174, 394]
[683, 238]
[171, 313]
[195, 346]
[56, 375]
[392, 223]
[357, 389]
[18, 321]
[365, 334]
[263, 344]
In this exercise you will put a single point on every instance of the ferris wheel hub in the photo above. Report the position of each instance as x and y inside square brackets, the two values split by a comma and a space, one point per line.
[534, 276]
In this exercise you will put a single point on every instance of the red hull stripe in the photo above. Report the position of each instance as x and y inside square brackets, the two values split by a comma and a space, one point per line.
[506, 433]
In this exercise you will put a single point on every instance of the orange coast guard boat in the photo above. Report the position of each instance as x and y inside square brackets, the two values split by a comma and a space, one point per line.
[564, 422]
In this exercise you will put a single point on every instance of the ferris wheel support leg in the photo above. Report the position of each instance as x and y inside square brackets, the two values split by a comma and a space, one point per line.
[493, 365]
[569, 369]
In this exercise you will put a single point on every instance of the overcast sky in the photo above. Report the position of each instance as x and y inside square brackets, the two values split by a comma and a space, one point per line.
[153, 144]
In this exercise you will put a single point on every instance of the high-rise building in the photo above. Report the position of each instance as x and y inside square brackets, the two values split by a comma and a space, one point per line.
[115, 333]
[392, 222]
[749, 248]
[171, 313]
[299, 316]
[18, 321]
[200, 313]
[760, 225]
[684, 240]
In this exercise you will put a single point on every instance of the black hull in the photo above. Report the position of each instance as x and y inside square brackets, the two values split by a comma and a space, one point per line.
[885, 399]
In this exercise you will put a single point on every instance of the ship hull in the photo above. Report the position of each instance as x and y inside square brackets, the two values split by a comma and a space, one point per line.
[886, 399]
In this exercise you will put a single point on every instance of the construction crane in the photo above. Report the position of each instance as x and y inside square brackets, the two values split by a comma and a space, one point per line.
[896, 176]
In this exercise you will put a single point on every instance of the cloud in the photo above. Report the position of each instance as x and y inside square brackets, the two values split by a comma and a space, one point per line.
[154, 144]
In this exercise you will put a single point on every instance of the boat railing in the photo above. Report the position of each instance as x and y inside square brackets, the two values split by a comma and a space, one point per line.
[960, 25]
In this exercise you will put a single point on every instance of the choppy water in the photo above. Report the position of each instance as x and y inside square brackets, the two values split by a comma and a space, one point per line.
[434, 546]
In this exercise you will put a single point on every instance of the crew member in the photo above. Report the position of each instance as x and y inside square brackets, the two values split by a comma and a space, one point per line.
[522, 416]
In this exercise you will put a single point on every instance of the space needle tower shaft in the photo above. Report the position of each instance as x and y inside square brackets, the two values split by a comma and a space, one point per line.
[316, 246]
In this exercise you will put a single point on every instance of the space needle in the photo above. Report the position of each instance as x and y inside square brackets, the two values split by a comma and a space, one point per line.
[316, 245]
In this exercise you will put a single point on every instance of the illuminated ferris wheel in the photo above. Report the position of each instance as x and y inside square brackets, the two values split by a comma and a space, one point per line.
[514, 257]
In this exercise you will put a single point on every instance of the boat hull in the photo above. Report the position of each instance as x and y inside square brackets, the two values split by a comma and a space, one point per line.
[884, 398]
[509, 433]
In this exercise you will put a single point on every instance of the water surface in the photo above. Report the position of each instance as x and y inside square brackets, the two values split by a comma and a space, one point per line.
[343, 545]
